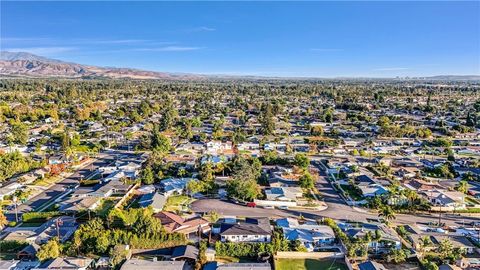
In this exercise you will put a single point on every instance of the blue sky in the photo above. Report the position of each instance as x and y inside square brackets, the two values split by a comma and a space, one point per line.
[319, 39]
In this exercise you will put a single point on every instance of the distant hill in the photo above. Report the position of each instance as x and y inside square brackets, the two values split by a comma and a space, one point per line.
[30, 65]
[25, 64]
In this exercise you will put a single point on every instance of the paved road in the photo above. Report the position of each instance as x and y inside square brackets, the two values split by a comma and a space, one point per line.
[50, 194]
[337, 209]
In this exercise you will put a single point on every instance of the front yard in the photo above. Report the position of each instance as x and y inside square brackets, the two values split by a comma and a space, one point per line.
[177, 203]
[353, 192]
[310, 264]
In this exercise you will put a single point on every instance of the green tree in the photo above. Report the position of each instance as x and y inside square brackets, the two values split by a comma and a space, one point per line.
[397, 255]
[160, 142]
[387, 213]
[19, 133]
[266, 119]
[49, 250]
[462, 186]
[302, 161]
[243, 189]
[3, 220]
[147, 176]
[316, 131]
[306, 180]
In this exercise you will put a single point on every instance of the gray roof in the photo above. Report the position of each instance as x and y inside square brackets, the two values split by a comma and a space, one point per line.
[185, 251]
[140, 264]
[259, 226]
[4, 264]
[245, 266]
[371, 265]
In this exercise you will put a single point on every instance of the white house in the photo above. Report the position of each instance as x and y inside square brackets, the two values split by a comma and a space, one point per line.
[252, 230]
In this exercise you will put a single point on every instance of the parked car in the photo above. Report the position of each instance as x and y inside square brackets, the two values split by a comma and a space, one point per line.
[251, 204]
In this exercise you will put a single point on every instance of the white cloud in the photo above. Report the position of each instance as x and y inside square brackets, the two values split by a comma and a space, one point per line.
[201, 29]
[169, 49]
[44, 51]
[391, 69]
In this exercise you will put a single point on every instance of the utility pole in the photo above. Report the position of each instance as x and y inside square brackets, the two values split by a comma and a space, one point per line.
[16, 212]
[440, 216]
[58, 230]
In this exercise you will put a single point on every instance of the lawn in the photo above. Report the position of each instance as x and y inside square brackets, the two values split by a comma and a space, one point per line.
[309, 264]
[471, 201]
[105, 207]
[45, 182]
[354, 193]
[175, 203]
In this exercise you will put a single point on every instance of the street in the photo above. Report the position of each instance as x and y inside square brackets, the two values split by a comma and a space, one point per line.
[337, 209]
[49, 195]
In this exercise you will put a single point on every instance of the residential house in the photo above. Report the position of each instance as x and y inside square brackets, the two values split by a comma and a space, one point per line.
[388, 237]
[8, 264]
[67, 263]
[173, 186]
[252, 230]
[458, 241]
[449, 200]
[155, 200]
[144, 264]
[310, 233]
[284, 193]
[371, 265]
[174, 223]
[9, 189]
[372, 190]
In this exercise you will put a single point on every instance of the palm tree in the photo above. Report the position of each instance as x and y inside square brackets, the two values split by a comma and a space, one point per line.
[412, 196]
[424, 244]
[387, 213]
[462, 186]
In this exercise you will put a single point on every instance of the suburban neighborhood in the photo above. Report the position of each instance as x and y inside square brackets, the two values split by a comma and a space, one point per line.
[272, 175]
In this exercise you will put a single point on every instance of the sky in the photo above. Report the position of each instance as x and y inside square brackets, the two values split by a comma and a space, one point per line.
[289, 39]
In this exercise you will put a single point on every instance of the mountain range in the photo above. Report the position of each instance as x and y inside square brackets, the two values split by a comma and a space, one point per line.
[31, 65]
[23, 64]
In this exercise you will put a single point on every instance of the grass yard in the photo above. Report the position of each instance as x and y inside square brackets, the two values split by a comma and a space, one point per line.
[309, 264]
[175, 203]
[354, 193]
[471, 200]
[105, 207]
[45, 182]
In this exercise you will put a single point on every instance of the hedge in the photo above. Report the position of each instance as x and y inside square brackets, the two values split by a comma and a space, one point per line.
[39, 216]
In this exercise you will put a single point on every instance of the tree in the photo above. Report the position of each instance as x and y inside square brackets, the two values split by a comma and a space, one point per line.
[397, 255]
[445, 248]
[306, 180]
[19, 133]
[213, 216]
[49, 250]
[387, 213]
[266, 119]
[302, 161]
[462, 186]
[3, 220]
[160, 142]
[147, 176]
[238, 136]
[194, 187]
[471, 121]
[243, 189]
[424, 243]
[316, 131]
